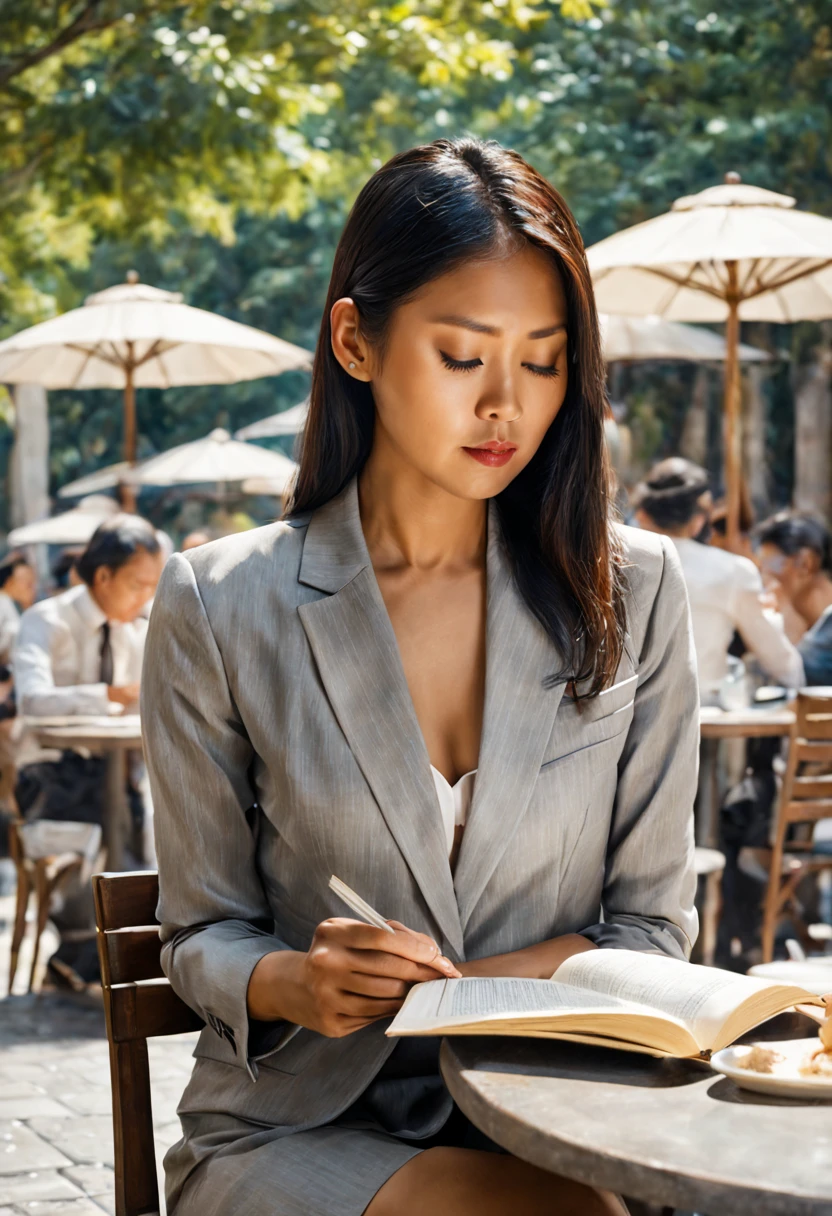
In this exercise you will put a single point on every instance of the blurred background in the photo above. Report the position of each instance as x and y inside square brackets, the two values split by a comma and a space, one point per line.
[216, 146]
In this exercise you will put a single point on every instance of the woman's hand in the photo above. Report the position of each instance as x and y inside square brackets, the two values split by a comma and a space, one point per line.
[352, 974]
[538, 962]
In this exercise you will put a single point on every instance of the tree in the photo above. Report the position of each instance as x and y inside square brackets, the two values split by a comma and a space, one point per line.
[121, 116]
[169, 160]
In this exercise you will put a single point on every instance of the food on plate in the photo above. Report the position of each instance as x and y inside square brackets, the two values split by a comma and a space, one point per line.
[817, 1064]
[760, 1059]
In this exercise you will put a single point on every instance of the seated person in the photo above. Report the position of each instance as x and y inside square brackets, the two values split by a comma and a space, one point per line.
[795, 555]
[80, 652]
[724, 590]
[65, 570]
[18, 587]
[195, 540]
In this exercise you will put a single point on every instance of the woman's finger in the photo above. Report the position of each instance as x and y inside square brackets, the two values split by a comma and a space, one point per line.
[366, 1006]
[355, 935]
[394, 966]
[378, 986]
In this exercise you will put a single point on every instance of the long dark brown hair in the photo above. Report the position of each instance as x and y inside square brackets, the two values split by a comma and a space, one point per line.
[421, 215]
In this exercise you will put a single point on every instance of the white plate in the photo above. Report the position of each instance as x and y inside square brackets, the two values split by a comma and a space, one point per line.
[814, 974]
[787, 1083]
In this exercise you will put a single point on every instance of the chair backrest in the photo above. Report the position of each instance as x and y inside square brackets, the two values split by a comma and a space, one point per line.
[139, 1004]
[806, 796]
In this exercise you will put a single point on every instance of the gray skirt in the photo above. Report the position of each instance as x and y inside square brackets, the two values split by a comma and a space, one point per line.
[333, 1170]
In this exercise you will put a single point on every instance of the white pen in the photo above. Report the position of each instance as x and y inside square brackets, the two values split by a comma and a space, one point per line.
[358, 905]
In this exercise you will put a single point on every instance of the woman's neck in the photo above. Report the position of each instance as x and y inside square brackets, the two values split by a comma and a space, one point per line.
[409, 521]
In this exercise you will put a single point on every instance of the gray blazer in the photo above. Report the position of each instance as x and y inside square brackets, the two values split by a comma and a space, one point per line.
[282, 747]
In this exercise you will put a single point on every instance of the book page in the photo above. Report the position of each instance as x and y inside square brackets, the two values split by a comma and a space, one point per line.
[703, 998]
[440, 1003]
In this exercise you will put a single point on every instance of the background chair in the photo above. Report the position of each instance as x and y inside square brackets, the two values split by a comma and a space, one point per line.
[139, 1004]
[45, 853]
[805, 798]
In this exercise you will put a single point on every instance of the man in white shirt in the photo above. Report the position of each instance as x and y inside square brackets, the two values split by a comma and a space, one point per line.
[724, 590]
[81, 653]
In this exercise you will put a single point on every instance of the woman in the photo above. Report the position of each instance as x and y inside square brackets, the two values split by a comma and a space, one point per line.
[446, 628]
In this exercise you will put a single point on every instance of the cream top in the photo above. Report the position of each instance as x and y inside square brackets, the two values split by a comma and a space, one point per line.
[454, 802]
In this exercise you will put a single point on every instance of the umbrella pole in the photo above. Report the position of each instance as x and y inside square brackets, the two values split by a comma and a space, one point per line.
[731, 419]
[127, 493]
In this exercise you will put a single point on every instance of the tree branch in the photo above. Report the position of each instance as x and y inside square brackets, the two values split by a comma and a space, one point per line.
[87, 22]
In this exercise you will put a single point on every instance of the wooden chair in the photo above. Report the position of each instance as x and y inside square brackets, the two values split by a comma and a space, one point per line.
[41, 875]
[139, 1004]
[805, 798]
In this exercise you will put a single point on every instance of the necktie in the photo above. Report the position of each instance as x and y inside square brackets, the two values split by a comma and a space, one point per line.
[106, 671]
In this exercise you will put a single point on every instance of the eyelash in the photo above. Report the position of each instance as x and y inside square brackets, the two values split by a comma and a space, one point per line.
[470, 365]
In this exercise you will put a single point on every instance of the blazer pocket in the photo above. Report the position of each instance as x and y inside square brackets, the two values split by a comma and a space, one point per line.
[597, 720]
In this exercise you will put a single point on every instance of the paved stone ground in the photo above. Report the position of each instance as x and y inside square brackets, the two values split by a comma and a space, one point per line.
[56, 1141]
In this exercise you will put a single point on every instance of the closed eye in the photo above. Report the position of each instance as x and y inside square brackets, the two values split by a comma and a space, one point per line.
[550, 372]
[459, 365]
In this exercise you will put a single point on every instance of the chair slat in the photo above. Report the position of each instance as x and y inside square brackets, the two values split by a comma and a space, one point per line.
[125, 900]
[812, 787]
[808, 810]
[814, 714]
[146, 1011]
[133, 954]
[813, 753]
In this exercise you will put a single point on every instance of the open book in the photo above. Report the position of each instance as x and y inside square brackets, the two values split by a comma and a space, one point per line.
[612, 998]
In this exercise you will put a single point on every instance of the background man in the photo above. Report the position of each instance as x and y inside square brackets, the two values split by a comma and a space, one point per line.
[724, 589]
[795, 555]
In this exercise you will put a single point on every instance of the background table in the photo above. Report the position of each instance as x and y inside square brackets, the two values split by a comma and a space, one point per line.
[716, 724]
[666, 1131]
[114, 737]
[745, 723]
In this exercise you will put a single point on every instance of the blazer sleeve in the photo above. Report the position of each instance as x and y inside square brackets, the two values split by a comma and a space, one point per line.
[216, 923]
[650, 878]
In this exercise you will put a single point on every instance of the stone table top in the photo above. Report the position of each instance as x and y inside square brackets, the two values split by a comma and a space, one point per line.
[667, 1131]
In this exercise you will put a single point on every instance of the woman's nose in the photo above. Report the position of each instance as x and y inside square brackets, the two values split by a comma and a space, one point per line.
[501, 406]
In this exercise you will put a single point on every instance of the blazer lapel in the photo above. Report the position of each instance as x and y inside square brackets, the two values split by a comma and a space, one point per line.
[518, 721]
[358, 660]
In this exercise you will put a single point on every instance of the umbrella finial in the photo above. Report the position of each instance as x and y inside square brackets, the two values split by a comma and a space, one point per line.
[132, 276]
[732, 178]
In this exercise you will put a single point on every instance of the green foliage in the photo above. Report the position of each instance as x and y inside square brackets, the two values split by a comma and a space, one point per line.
[216, 145]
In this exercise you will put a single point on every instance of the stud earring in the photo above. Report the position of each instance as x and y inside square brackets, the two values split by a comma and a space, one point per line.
[352, 365]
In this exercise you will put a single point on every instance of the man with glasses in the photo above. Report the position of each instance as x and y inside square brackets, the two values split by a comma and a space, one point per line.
[795, 555]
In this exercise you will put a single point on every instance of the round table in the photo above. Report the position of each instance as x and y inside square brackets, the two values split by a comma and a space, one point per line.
[748, 723]
[670, 1132]
[113, 737]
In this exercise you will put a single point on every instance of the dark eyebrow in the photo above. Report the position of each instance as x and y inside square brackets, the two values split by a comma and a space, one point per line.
[546, 333]
[479, 328]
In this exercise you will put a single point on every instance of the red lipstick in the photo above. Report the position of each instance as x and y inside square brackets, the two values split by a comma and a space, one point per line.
[493, 454]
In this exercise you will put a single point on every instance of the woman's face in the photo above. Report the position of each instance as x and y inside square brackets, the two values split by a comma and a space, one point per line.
[473, 373]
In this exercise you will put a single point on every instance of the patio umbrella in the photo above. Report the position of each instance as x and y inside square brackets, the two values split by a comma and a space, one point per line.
[108, 478]
[217, 458]
[626, 339]
[733, 252]
[134, 336]
[289, 422]
[73, 527]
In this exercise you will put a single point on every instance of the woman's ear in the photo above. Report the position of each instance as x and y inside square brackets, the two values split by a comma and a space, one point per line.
[348, 345]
